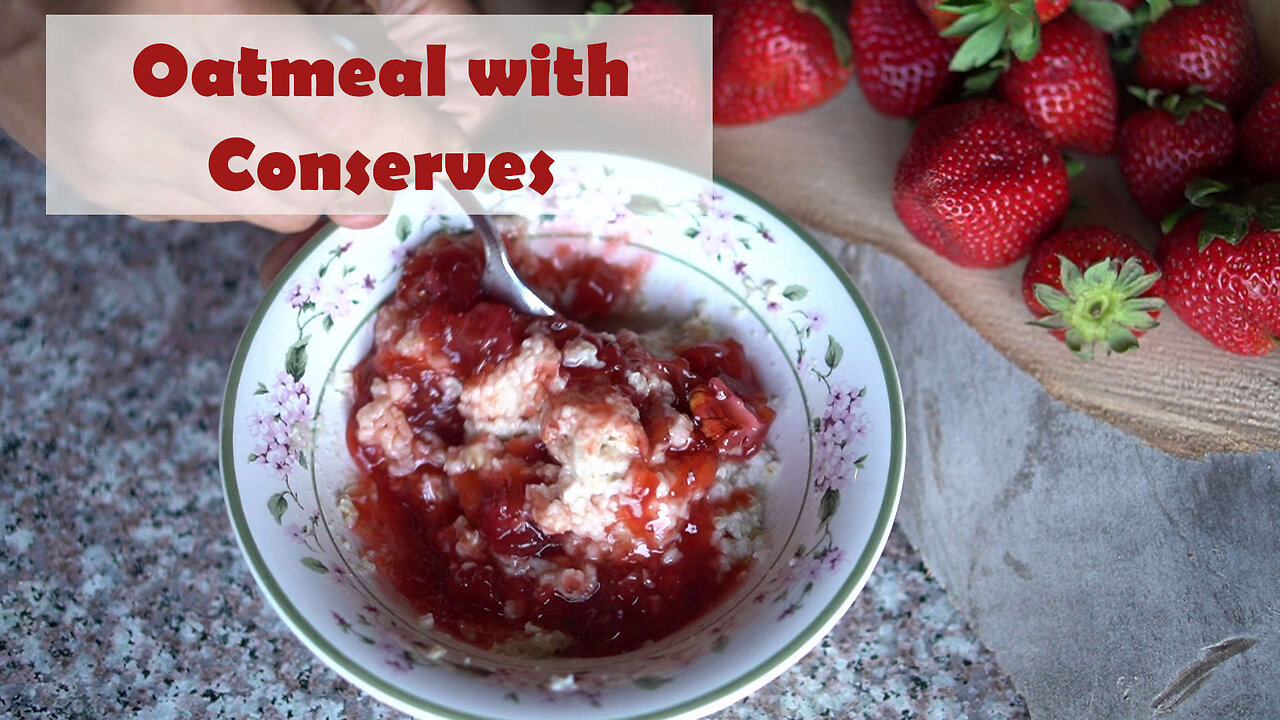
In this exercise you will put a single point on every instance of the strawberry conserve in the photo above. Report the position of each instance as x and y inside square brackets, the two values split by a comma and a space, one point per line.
[532, 485]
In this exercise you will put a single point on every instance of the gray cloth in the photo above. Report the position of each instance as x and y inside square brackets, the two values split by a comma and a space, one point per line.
[1110, 579]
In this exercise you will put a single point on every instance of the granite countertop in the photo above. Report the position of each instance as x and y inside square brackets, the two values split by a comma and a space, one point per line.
[122, 590]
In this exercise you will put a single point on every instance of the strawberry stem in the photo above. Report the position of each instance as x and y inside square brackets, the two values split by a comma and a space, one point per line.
[1105, 303]
[992, 26]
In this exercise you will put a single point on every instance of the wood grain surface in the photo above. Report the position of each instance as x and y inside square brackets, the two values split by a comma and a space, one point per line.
[832, 168]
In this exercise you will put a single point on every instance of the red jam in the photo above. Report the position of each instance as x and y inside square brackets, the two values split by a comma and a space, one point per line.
[469, 524]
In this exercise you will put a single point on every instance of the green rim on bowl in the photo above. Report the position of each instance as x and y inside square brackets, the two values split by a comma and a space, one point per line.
[753, 678]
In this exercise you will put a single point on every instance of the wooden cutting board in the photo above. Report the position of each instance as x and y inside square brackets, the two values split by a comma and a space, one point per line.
[832, 168]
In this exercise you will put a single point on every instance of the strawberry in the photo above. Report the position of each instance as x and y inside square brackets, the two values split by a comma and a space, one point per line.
[1067, 88]
[1260, 137]
[774, 57]
[1222, 268]
[979, 184]
[1091, 285]
[636, 7]
[900, 61]
[1212, 45]
[1165, 146]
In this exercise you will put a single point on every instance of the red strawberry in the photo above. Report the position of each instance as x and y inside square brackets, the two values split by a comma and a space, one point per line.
[636, 7]
[1212, 45]
[1067, 88]
[980, 184]
[900, 61]
[1222, 271]
[1092, 285]
[774, 57]
[1162, 148]
[1260, 137]
[942, 19]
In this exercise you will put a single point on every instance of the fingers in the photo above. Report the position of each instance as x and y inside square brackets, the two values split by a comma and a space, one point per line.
[422, 7]
[284, 250]
[357, 222]
[278, 223]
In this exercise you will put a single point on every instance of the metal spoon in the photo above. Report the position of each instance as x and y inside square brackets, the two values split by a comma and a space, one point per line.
[499, 278]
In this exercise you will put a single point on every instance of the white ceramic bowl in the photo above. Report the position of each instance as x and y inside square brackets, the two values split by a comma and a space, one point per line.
[838, 434]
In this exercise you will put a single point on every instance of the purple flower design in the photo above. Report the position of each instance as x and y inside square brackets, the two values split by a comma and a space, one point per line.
[814, 321]
[841, 434]
[368, 283]
[834, 558]
[260, 423]
[296, 533]
[397, 659]
[709, 199]
[338, 299]
[288, 403]
[739, 267]
[301, 294]
[714, 241]
[862, 427]
[400, 253]
[342, 576]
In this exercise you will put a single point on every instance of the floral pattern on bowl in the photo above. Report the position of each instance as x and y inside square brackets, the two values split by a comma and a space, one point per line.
[761, 279]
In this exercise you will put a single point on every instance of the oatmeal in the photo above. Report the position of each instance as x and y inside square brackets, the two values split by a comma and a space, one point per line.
[531, 484]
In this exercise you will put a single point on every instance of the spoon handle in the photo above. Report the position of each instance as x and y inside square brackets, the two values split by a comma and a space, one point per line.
[499, 277]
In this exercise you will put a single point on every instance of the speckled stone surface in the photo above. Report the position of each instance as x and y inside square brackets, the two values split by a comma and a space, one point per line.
[122, 590]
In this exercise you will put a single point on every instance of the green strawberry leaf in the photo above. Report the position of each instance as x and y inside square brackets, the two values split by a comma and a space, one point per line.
[1070, 277]
[962, 7]
[1145, 305]
[1269, 217]
[982, 46]
[982, 81]
[1124, 50]
[1200, 191]
[967, 24]
[1121, 339]
[601, 7]
[1110, 17]
[1053, 299]
[1050, 322]
[1024, 36]
[1226, 222]
[1172, 219]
